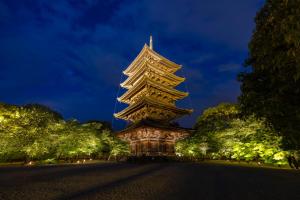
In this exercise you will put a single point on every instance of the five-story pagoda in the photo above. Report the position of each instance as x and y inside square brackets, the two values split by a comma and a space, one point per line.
[151, 96]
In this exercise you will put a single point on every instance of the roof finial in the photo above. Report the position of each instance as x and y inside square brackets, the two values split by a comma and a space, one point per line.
[151, 43]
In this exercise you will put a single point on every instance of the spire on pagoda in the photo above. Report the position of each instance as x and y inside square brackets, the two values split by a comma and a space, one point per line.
[151, 43]
[151, 90]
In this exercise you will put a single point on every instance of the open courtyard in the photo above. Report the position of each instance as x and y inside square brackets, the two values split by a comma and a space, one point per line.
[148, 181]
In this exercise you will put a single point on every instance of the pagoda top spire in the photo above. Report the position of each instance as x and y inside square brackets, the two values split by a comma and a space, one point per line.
[151, 43]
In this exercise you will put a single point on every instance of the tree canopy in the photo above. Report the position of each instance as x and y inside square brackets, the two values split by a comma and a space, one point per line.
[222, 134]
[35, 132]
[271, 86]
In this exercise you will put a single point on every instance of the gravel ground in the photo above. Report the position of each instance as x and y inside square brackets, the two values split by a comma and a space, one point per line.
[148, 181]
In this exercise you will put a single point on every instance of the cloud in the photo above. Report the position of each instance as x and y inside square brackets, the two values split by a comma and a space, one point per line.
[70, 54]
[202, 58]
[226, 22]
[227, 91]
[91, 16]
[230, 67]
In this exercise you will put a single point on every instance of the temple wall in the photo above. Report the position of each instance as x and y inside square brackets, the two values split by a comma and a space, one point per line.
[151, 148]
[151, 141]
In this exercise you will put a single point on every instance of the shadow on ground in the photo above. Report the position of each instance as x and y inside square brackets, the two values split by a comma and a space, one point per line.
[148, 181]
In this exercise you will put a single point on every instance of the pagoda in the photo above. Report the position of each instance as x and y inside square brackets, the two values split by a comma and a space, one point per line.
[151, 98]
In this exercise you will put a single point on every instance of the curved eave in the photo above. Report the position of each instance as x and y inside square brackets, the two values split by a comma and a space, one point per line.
[172, 65]
[145, 81]
[172, 78]
[148, 101]
[154, 124]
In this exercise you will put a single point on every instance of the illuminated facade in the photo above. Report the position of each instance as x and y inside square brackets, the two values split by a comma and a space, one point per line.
[151, 96]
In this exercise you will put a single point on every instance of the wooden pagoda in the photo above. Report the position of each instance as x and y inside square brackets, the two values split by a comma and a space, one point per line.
[151, 96]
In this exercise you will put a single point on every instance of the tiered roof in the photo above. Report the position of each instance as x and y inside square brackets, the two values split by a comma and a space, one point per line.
[150, 83]
[148, 53]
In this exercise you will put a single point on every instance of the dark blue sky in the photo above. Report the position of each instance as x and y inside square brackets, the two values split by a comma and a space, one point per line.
[69, 55]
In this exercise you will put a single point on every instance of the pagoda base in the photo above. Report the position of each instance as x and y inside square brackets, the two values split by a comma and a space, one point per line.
[152, 139]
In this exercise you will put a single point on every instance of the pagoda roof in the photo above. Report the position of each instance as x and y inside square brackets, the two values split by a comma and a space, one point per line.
[173, 79]
[146, 101]
[146, 49]
[155, 124]
[144, 81]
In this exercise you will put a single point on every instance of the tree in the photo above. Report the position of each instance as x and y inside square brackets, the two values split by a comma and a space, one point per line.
[221, 133]
[77, 141]
[101, 125]
[21, 127]
[35, 132]
[271, 86]
[214, 119]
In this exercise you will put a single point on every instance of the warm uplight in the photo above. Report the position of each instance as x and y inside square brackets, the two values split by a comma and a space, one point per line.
[178, 154]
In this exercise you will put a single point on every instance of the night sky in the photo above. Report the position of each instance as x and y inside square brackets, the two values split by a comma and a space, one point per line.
[69, 55]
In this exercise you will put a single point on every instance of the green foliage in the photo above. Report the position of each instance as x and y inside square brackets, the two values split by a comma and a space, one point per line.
[216, 117]
[35, 132]
[77, 140]
[22, 127]
[271, 87]
[222, 134]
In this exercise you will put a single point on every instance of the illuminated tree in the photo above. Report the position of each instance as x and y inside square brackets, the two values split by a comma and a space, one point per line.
[35, 132]
[21, 128]
[222, 134]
